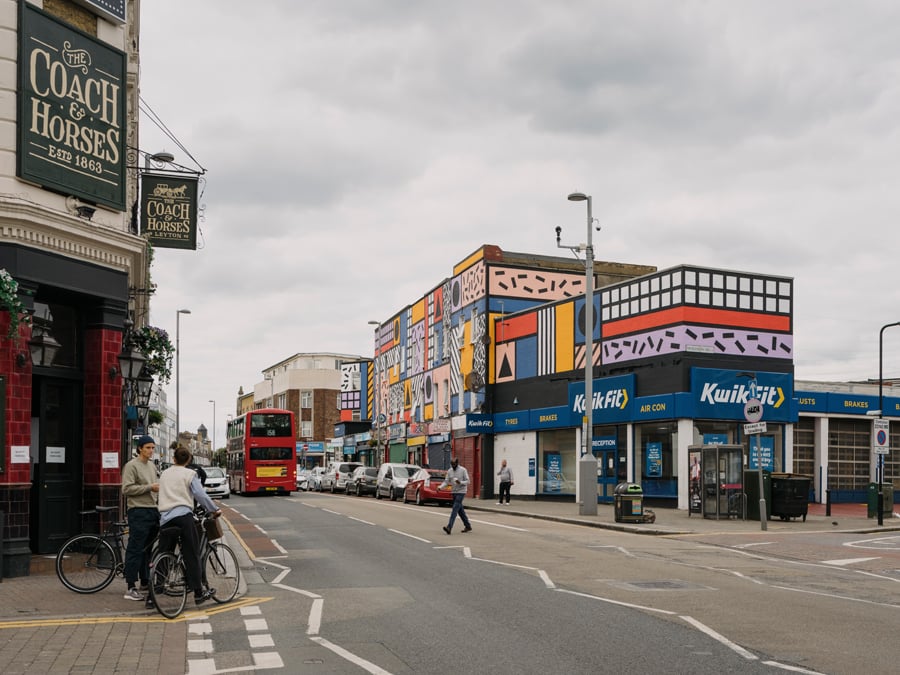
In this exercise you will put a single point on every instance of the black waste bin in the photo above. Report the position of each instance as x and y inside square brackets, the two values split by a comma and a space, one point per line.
[790, 495]
[887, 507]
[629, 503]
[751, 492]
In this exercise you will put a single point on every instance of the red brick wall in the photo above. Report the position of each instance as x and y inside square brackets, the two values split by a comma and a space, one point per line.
[18, 399]
[102, 405]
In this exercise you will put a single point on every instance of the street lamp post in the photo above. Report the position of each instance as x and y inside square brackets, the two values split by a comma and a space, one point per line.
[880, 470]
[214, 430]
[587, 464]
[178, 371]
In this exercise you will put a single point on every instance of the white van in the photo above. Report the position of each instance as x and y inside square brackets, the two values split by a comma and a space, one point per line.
[392, 479]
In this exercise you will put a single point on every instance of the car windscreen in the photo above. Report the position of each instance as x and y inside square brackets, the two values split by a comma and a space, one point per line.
[214, 472]
[404, 471]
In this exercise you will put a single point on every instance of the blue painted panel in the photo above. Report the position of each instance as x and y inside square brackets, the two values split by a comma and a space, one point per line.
[526, 357]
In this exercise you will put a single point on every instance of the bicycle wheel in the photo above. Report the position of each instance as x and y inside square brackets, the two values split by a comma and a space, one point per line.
[86, 563]
[168, 588]
[221, 572]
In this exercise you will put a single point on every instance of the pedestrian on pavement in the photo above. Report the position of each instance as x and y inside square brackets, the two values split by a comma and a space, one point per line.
[457, 480]
[506, 481]
[140, 486]
[179, 486]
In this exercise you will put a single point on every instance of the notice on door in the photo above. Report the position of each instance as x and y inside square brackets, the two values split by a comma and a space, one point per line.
[56, 455]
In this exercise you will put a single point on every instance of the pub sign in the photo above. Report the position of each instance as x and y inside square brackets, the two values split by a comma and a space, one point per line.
[71, 99]
[169, 210]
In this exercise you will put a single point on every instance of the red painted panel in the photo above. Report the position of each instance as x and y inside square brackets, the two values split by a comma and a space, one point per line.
[697, 315]
[520, 326]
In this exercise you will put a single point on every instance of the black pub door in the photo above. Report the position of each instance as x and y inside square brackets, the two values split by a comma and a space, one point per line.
[56, 455]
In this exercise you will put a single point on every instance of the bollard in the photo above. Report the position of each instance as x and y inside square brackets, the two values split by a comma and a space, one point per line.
[828, 503]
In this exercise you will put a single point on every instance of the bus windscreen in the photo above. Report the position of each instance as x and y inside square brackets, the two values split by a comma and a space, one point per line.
[272, 425]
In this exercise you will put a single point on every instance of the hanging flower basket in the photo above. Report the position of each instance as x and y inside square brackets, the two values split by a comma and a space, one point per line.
[9, 301]
[155, 345]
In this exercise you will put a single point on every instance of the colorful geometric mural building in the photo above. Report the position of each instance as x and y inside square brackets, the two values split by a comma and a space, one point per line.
[676, 310]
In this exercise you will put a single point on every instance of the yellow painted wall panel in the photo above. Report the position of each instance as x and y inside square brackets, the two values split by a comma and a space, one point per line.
[565, 337]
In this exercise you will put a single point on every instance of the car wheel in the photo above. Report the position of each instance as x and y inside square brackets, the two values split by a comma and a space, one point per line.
[332, 488]
[377, 493]
[419, 501]
[393, 494]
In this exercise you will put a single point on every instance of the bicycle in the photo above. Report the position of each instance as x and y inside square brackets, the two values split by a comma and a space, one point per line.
[219, 566]
[87, 563]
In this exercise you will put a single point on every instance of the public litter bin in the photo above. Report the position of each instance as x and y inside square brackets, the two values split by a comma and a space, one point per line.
[751, 493]
[629, 503]
[887, 508]
[790, 495]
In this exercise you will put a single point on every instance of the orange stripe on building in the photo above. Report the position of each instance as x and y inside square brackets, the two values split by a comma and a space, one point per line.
[565, 337]
[699, 315]
[520, 326]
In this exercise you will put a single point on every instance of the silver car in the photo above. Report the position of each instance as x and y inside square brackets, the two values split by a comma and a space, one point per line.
[392, 479]
[336, 476]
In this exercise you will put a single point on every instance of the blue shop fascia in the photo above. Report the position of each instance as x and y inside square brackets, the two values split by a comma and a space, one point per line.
[646, 439]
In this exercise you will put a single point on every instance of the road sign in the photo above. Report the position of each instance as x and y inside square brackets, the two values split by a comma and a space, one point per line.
[755, 428]
[881, 440]
[753, 410]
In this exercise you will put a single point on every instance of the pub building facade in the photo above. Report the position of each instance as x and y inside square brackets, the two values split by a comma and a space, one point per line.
[77, 269]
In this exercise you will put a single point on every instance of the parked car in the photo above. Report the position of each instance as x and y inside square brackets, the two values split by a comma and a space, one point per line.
[392, 479]
[302, 479]
[216, 482]
[314, 479]
[423, 487]
[363, 481]
[336, 475]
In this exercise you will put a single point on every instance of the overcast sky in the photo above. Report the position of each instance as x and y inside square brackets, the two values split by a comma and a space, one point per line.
[355, 150]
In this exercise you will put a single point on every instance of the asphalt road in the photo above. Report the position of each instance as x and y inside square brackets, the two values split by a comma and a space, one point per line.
[355, 585]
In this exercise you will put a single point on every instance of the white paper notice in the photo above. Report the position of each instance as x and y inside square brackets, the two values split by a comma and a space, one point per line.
[19, 454]
[56, 455]
[110, 460]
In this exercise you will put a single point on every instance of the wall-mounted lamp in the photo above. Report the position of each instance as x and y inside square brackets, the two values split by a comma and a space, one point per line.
[84, 211]
[43, 349]
[21, 359]
[113, 372]
[515, 400]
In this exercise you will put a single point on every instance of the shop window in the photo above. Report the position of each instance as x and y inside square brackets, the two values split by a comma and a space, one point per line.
[556, 462]
[655, 445]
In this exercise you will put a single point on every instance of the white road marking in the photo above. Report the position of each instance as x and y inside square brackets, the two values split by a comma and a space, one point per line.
[251, 610]
[308, 594]
[360, 520]
[263, 640]
[615, 602]
[352, 658]
[720, 638]
[878, 543]
[411, 536]
[278, 546]
[281, 576]
[204, 646]
[620, 549]
[848, 561]
[314, 622]
[199, 628]
[260, 529]
[201, 666]
[793, 669]
[547, 581]
[755, 543]
[264, 660]
[337, 513]
[256, 624]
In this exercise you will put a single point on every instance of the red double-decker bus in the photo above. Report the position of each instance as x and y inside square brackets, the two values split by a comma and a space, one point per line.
[262, 452]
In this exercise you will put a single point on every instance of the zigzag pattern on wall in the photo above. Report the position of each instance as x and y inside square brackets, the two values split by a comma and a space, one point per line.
[698, 338]
[455, 365]
[479, 352]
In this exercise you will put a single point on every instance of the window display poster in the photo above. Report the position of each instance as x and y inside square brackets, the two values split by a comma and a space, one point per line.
[554, 472]
[715, 439]
[764, 445]
[694, 504]
[653, 460]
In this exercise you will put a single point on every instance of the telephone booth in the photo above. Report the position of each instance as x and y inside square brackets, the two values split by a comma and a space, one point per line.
[722, 481]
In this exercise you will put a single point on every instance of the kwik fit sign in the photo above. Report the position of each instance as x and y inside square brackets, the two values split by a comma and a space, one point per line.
[71, 101]
[612, 399]
[721, 394]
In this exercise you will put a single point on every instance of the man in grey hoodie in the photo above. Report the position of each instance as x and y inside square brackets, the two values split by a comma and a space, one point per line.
[457, 479]
[506, 481]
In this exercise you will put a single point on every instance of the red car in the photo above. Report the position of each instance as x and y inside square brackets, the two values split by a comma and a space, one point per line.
[423, 487]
